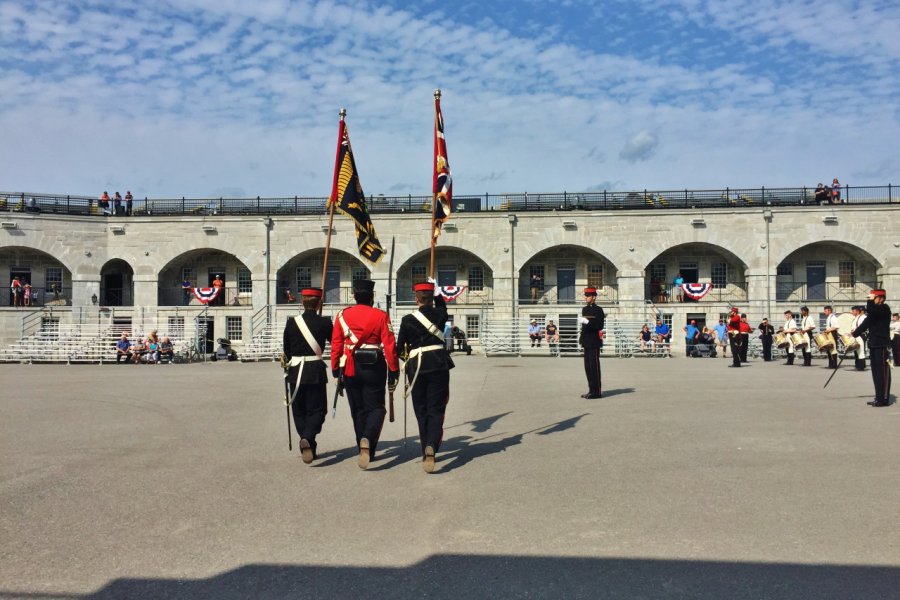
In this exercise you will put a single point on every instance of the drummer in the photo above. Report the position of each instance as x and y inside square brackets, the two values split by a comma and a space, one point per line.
[789, 327]
[831, 330]
[807, 328]
[859, 316]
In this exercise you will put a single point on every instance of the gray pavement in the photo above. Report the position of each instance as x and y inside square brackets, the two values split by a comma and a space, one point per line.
[687, 480]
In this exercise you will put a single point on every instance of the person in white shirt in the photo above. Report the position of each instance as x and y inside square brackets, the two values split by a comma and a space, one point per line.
[895, 338]
[789, 327]
[859, 315]
[831, 328]
[807, 328]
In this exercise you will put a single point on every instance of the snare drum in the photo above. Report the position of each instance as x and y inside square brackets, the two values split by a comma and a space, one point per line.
[781, 340]
[799, 340]
[849, 342]
[824, 341]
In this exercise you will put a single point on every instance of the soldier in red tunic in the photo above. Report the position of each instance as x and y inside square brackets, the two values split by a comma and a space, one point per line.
[364, 352]
[734, 335]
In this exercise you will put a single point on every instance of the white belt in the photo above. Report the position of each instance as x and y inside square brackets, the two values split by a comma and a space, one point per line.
[369, 346]
[417, 352]
[301, 362]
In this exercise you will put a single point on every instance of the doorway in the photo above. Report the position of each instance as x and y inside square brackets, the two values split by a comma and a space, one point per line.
[565, 285]
[333, 285]
[446, 275]
[815, 280]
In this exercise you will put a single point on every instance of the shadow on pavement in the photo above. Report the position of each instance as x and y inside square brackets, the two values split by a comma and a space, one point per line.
[617, 392]
[507, 576]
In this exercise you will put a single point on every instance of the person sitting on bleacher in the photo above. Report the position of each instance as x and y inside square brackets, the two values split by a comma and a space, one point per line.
[123, 349]
[138, 351]
[646, 338]
[166, 350]
[151, 356]
[663, 335]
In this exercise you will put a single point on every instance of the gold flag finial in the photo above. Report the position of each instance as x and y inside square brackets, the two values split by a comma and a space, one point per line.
[342, 113]
[437, 94]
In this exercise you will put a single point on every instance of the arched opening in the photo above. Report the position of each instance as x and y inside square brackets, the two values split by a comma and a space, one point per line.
[696, 262]
[827, 271]
[116, 284]
[42, 278]
[452, 267]
[199, 268]
[557, 275]
[305, 270]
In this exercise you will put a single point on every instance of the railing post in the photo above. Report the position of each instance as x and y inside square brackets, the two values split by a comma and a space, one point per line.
[685, 197]
[763, 195]
[182, 205]
[295, 205]
[257, 205]
[847, 194]
[604, 198]
[68, 211]
[889, 194]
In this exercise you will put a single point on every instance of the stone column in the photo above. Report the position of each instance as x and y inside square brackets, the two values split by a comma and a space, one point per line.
[146, 291]
[83, 287]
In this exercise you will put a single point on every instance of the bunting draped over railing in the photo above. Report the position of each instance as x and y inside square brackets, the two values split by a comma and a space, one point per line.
[450, 292]
[206, 295]
[696, 291]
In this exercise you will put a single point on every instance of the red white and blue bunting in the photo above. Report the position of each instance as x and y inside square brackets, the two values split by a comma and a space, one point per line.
[695, 291]
[206, 295]
[450, 292]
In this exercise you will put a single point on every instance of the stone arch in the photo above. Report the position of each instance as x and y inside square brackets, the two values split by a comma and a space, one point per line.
[199, 266]
[564, 270]
[827, 270]
[698, 262]
[305, 269]
[50, 279]
[116, 283]
[452, 266]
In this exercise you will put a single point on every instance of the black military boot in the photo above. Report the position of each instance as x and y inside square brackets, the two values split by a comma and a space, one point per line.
[790, 359]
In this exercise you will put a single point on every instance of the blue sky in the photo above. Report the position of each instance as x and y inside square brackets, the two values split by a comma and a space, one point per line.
[227, 97]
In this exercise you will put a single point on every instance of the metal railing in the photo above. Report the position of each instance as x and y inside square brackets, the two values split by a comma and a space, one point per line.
[177, 296]
[405, 295]
[552, 294]
[39, 297]
[827, 292]
[731, 292]
[564, 201]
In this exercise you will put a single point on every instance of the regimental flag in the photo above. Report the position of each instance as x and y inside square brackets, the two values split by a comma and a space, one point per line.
[442, 187]
[348, 198]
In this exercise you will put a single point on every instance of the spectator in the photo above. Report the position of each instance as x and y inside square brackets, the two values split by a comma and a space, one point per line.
[663, 335]
[26, 294]
[55, 289]
[32, 206]
[646, 338]
[657, 290]
[138, 350]
[552, 332]
[152, 354]
[822, 195]
[677, 292]
[534, 332]
[129, 202]
[705, 344]
[15, 291]
[117, 205]
[836, 191]
[690, 336]
[448, 335]
[166, 350]
[187, 290]
[219, 285]
[123, 349]
[104, 204]
[721, 337]
[537, 284]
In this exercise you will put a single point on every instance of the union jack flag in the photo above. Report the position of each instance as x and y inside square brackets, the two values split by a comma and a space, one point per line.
[442, 187]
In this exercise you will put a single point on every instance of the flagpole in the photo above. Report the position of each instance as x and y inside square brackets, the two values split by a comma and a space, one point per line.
[331, 203]
[437, 98]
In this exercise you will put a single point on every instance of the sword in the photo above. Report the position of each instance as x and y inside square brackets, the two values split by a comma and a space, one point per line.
[836, 369]
[287, 409]
[391, 407]
[338, 391]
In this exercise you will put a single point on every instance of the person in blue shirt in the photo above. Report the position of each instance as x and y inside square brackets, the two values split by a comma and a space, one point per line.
[690, 336]
[123, 349]
[721, 336]
[677, 292]
[534, 332]
[663, 334]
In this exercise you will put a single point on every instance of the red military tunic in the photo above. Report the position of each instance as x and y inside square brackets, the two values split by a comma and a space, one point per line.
[370, 326]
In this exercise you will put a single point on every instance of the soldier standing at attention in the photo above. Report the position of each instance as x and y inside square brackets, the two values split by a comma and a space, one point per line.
[364, 353]
[734, 335]
[877, 323]
[428, 367]
[304, 339]
[592, 321]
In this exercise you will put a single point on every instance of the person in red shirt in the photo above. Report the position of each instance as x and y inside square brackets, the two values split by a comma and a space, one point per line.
[364, 353]
[745, 330]
[734, 335]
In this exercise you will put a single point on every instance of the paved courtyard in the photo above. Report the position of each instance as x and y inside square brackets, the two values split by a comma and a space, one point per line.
[687, 480]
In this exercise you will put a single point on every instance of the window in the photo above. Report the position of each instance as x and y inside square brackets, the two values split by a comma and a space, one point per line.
[667, 319]
[418, 273]
[658, 270]
[723, 317]
[176, 327]
[847, 274]
[472, 327]
[190, 274]
[539, 318]
[304, 277]
[476, 278]
[719, 275]
[359, 273]
[234, 328]
[786, 268]
[245, 284]
[53, 276]
[539, 271]
[595, 276]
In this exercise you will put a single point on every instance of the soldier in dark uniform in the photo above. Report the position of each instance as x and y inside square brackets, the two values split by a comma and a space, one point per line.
[364, 352]
[304, 339]
[877, 323]
[734, 336]
[592, 322]
[745, 330]
[428, 366]
[766, 331]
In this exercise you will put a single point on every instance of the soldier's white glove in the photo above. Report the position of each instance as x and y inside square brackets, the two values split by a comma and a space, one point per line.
[583, 320]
